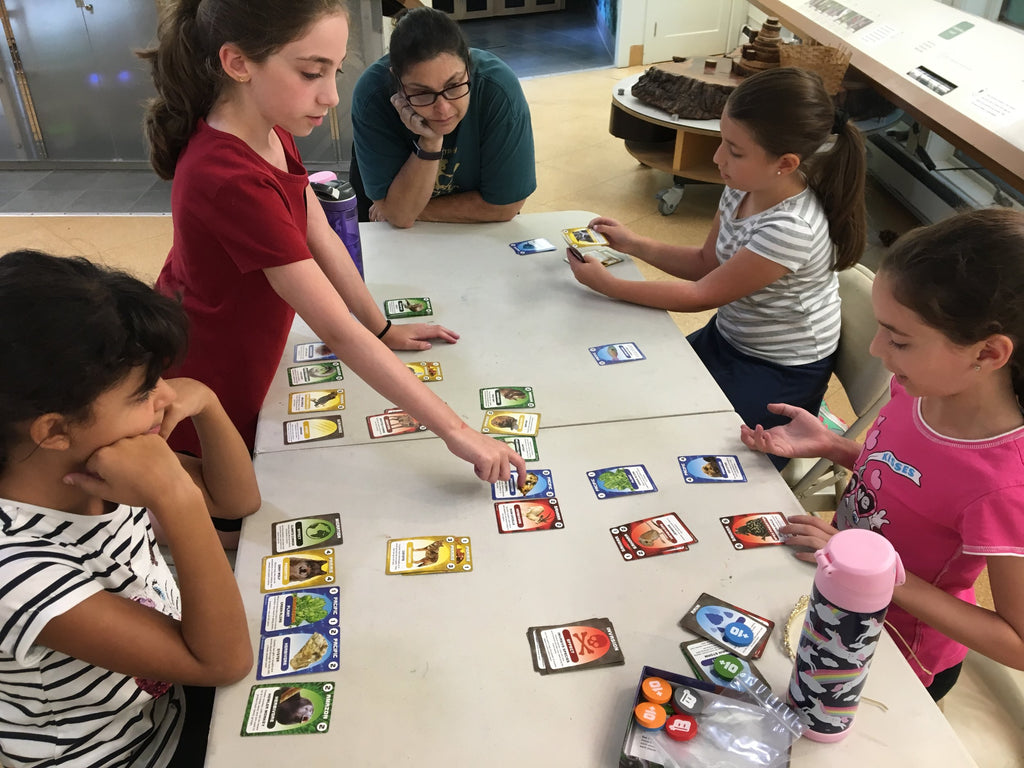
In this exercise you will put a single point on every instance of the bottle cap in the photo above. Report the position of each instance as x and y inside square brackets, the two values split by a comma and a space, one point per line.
[323, 176]
[681, 727]
[649, 715]
[857, 570]
[657, 690]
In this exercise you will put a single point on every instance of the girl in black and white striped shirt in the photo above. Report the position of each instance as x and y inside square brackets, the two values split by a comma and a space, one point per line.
[96, 639]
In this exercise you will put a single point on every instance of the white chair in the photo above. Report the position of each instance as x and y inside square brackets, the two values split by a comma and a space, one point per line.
[819, 485]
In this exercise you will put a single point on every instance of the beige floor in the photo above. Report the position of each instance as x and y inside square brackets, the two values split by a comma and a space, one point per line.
[581, 167]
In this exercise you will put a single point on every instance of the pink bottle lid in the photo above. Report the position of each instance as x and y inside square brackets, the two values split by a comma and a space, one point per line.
[857, 570]
[323, 176]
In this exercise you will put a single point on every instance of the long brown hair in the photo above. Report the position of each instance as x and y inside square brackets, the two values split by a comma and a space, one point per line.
[964, 276]
[186, 66]
[788, 110]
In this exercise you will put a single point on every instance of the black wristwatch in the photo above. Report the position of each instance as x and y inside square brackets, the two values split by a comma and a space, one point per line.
[422, 154]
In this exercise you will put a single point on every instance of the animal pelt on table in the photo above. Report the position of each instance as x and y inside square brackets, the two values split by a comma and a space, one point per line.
[682, 96]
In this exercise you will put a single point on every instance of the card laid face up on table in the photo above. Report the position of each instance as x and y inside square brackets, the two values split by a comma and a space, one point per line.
[742, 633]
[652, 536]
[528, 515]
[429, 554]
[576, 645]
[755, 530]
[711, 469]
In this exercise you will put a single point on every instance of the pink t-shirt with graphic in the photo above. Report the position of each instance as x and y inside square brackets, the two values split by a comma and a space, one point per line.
[944, 504]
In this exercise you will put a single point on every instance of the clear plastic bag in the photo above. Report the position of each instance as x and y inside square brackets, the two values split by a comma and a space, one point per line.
[748, 728]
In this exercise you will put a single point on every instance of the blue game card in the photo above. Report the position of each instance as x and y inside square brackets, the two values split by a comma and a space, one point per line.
[539, 485]
[305, 609]
[298, 653]
[313, 351]
[609, 354]
[627, 480]
[711, 469]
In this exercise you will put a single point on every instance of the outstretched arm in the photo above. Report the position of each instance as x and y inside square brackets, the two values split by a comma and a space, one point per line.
[334, 261]
[803, 437]
[688, 262]
[303, 285]
[740, 276]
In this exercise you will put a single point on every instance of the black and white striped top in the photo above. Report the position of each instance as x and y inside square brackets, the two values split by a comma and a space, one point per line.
[795, 320]
[54, 709]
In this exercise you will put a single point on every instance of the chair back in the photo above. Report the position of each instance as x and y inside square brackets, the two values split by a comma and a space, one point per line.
[865, 380]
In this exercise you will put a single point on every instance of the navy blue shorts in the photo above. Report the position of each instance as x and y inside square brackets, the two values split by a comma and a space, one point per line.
[751, 383]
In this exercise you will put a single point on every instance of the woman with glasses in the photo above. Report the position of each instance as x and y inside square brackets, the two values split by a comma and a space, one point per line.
[442, 132]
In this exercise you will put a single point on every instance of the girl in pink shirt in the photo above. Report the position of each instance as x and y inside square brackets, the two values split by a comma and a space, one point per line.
[941, 471]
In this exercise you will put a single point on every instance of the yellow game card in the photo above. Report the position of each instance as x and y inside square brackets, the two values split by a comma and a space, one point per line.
[429, 554]
[584, 237]
[510, 423]
[298, 570]
[317, 400]
[426, 371]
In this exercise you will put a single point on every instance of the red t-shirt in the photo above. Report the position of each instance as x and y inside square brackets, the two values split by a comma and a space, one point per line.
[234, 215]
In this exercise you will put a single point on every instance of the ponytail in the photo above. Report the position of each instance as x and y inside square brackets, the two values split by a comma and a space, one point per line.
[837, 177]
[186, 64]
[788, 110]
[188, 79]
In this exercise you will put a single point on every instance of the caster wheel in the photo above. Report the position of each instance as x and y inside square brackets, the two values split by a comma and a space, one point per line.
[668, 200]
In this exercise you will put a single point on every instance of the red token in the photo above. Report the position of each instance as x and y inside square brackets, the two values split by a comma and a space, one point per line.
[681, 727]
[657, 690]
[649, 715]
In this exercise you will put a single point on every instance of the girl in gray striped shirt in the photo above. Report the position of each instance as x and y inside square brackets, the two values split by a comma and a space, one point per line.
[792, 214]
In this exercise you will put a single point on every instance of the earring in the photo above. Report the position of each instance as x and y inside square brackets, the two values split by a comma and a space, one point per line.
[243, 79]
[977, 367]
[778, 173]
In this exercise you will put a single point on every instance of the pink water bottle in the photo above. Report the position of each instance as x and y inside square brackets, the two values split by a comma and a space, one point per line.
[857, 570]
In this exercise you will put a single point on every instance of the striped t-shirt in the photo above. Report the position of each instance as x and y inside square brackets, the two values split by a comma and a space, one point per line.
[54, 709]
[795, 320]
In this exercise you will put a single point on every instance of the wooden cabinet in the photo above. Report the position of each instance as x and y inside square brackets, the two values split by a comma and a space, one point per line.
[478, 9]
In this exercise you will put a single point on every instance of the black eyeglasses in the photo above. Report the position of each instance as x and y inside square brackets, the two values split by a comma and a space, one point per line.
[426, 98]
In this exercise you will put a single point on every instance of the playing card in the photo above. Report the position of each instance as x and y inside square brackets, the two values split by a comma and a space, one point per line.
[538, 485]
[528, 515]
[610, 354]
[536, 245]
[742, 633]
[418, 306]
[391, 423]
[315, 373]
[506, 397]
[298, 570]
[280, 708]
[626, 480]
[314, 350]
[652, 536]
[754, 530]
[304, 652]
[576, 645]
[525, 446]
[317, 400]
[429, 554]
[510, 423]
[313, 429]
[426, 371]
[701, 655]
[583, 237]
[305, 532]
[307, 609]
[711, 469]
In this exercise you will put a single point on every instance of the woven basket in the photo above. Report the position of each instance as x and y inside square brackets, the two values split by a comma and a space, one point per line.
[829, 62]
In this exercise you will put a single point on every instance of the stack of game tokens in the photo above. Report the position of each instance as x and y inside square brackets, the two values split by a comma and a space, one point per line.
[668, 708]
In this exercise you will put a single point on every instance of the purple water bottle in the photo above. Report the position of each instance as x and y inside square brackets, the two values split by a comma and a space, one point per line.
[338, 199]
[857, 570]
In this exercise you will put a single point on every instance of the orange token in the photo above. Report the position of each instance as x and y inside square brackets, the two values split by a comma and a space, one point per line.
[649, 715]
[657, 690]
